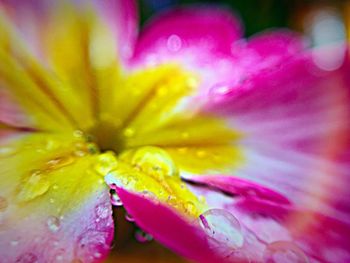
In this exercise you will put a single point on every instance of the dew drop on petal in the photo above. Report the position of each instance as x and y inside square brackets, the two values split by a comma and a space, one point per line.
[284, 252]
[154, 161]
[3, 204]
[190, 207]
[34, 186]
[105, 163]
[78, 134]
[174, 43]
[92, 242]
[129, 217]
[201, 153]
[185, 135]
[102, 211]
[27, 258]
[115, 200]
[14, 242]
[219, 91]
[222, 227]
[60, 256]
[60, 162]
[53, 223]
[7, 151]
[129, 132]
[142, 236]
[149, 195]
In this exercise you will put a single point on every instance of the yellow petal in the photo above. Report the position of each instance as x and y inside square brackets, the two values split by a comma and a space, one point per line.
[53, 201]
[152, 172]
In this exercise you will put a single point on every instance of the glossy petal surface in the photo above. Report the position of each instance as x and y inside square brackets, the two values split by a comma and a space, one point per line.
[55, 206]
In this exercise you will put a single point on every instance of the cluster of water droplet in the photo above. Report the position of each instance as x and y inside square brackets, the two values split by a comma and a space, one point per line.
[227, 237]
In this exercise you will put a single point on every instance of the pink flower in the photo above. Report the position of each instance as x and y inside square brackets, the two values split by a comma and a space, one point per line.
[222, 149]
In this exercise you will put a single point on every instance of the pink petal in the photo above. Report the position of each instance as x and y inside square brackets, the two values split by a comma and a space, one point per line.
[296, 124]
[265, 220]
[168, 227]
[209, 28]
[266, 51]
[81, 234]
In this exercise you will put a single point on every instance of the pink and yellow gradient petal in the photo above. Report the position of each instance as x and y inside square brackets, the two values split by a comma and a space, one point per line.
[54, 204]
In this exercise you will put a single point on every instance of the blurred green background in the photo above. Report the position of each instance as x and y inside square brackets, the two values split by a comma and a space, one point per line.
[257, 15]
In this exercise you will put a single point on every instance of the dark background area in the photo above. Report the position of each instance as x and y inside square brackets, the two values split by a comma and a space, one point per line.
[256, 15]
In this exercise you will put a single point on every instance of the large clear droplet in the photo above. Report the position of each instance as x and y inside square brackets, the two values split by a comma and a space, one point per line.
[222, 227]
[142, 236]
[105, 163]
[35, 186]
[284, 252]
[53, 223]
[154, 161]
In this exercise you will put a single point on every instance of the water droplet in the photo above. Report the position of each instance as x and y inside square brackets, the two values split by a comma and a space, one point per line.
[142, 236]
[154, 161]
[190, 207]
[185, 135]
[182, 150]
[78, 134]
[149, 195]
[14, 242]
[3, 204]
[284, 252]
[7, 151]
[129, 217]
[201, 199]
[174, 43]
[220, 89]
[91, 242]
[103, 211]
[60, 256]
[53, 223]
[79, 153]
[222, 227]
[201, 153]
[172, 201]
[27, 258]
[105, 163]
[59, 162]
[92, 148]
[129, 132]
[97, 255]
[115, 200]
[35, 186]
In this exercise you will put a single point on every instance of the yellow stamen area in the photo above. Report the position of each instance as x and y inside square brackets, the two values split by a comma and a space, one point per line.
[145, 122]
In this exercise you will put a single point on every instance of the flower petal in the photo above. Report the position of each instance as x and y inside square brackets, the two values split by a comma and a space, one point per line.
[211, 28]
[168, 227]
[54, 205]
[267, 219]
[85, 44]
[266, 51]
[293, 136]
